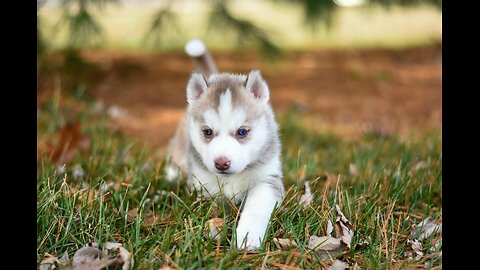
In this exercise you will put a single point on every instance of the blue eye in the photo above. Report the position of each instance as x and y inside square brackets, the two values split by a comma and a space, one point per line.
[207, 132]
[242, 132]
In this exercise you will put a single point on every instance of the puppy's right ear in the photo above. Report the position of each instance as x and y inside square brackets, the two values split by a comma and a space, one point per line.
[196, 86]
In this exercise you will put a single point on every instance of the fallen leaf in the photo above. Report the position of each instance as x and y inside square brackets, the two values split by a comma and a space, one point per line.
[49, 263]
[87, 257]
[114, 256]
[215, 226]
[307, 198]
[424, 229]
[414, 250]
[165, 267]
[284, 244]
[151, 219]
[436, 247]
[328, 246]
[325, 246]
[338, 265]
[363, 241]
[121, 253]
[329, 228]
[131, 214]
[64, 260]
[343, 228]
[70, 142]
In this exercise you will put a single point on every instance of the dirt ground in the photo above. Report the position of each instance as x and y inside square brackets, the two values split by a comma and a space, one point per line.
[347, 92]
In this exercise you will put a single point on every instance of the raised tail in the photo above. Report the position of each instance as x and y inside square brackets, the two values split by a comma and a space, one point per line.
[201, 57]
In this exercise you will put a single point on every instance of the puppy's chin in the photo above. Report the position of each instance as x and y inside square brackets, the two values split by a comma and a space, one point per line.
[226, 173]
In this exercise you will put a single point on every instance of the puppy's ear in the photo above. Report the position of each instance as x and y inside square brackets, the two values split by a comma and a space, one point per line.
[257, 85]
[196, 86]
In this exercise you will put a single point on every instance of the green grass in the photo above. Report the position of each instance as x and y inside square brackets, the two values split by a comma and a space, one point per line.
[383, 200]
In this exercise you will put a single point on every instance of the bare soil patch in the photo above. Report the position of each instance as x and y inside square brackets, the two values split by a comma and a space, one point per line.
[347, 92]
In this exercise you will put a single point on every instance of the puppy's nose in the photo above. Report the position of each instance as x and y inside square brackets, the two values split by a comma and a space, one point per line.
[222, 163]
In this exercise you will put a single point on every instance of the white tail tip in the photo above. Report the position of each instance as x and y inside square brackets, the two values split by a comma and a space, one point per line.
[195, 48]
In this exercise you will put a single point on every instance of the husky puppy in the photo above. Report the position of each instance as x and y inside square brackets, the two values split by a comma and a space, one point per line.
[228, 143]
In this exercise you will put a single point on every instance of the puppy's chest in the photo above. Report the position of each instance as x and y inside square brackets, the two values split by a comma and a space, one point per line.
[234, 187]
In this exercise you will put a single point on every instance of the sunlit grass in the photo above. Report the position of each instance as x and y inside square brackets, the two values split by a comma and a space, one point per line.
[383, 197]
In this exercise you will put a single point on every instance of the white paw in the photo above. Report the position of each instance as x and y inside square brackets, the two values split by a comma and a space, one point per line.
[248, 238]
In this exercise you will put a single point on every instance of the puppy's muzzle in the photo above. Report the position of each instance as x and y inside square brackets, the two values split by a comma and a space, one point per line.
[222, 163]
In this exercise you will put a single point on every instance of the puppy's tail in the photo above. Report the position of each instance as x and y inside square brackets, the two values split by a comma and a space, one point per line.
[201, 57]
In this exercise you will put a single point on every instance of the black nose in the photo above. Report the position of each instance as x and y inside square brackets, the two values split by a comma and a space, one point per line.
[222, 163]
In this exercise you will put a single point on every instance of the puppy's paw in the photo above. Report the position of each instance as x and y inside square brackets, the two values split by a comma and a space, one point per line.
[248, 238]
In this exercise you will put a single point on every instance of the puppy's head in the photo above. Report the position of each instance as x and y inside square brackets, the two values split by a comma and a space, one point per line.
[229, 120]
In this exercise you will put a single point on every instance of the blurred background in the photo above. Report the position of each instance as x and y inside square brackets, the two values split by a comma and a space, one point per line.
[347, 67]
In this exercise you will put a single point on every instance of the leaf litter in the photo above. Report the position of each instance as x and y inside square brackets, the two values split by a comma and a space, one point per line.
[425, 229]
[90, 257]
[421, 232]
[327, 247]
[215, 226]
[71, 141]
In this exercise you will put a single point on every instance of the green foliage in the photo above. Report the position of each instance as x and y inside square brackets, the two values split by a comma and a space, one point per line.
[162, 21]
[83, 28]
[223, 21]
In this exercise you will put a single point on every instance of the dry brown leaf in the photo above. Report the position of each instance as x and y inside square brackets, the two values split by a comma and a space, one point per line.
[215, 226]
[329, 228]
[165, 267]
[70, 142]
[131, 214]
[50, 262]
[363, 241]
[114, 256]
[325, 246]
[328, 246]
[307, 198]
[338, 265]
[343, 228]
[121, 253]
[64, 260]
[424, 229]
[89, 257]
[152, 220]
[414, 250]
[284, 244]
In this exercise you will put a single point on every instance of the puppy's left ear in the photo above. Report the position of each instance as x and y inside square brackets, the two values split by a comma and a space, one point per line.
[257, 85]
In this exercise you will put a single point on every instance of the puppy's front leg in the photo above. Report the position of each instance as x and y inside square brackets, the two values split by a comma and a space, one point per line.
[258, 207]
